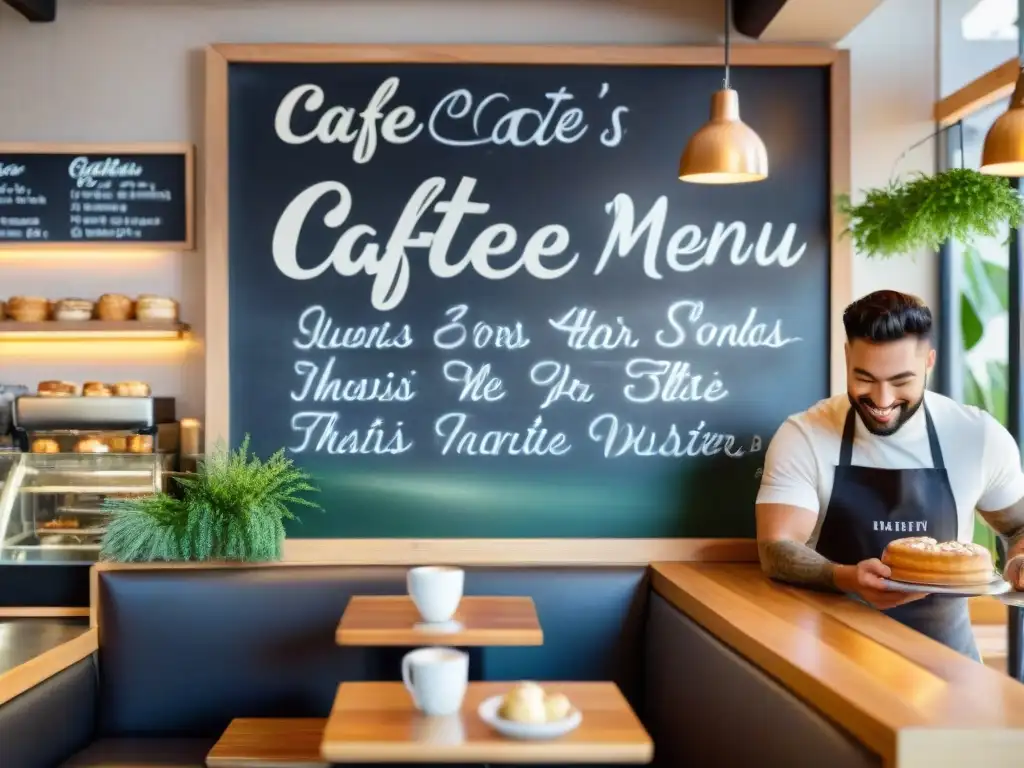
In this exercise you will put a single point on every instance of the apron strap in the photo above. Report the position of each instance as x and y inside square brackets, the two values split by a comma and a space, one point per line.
[933, 441]
[846, 446]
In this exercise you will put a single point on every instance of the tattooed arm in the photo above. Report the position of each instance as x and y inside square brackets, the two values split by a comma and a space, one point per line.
[1002, 500]
[1009, 523]
[781, 535]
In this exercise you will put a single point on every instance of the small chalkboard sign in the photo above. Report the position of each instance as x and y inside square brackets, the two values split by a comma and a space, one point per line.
[475, 301]
[96, 196]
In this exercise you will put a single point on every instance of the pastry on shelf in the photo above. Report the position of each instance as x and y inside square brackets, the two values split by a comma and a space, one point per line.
[97, 389]
[45, 445]
[28, 309]
[923, 560]
[57, 389]
[149, 307]
[131, 389]
[73, 310]
[140, 444]
[62, 522]
[118, 444]
[114, 306]
[91, 445]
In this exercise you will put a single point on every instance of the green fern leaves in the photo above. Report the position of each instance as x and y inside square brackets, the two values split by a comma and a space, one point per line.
[925, 212]
[233, 508]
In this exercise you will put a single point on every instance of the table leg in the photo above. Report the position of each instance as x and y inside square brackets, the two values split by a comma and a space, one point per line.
[1015, 647]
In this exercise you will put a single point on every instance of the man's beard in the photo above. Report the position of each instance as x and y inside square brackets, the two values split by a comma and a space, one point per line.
[905, 412]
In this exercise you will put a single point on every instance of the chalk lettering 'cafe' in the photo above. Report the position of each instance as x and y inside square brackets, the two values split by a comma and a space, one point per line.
[515, 373]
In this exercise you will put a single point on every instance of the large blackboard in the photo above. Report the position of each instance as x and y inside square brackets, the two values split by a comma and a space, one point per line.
[70, 197]
[432, 416]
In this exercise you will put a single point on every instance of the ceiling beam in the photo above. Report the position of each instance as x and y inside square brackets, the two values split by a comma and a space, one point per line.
[800, 21]
[752, 17]
[35, 10]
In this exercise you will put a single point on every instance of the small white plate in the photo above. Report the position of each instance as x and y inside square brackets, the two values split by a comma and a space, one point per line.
[488, 712]
[995, 587]
[439, 627]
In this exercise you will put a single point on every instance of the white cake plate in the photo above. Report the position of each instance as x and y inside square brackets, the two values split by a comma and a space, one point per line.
[995, 587]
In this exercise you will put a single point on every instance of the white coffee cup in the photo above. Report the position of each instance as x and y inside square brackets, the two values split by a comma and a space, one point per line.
[436, 678]
[436, 590]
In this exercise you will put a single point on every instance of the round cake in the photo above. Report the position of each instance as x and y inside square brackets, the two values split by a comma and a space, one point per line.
[923, 560]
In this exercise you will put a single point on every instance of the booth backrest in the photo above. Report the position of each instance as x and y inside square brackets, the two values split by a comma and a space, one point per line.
[183, 651]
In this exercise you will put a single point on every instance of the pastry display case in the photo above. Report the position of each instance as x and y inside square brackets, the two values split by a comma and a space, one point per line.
[51, 504]
[74, 452]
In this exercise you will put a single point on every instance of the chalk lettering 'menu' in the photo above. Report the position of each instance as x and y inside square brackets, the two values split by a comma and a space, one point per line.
[688, 240]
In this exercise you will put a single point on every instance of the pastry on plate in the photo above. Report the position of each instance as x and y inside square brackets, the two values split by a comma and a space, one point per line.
[149, 307]
[529, 703]
[57, 389]
[114, 306]
[45, 445]
[28, 309]
[923, 560]
[73, 310]
[91, 445]
[97, 389]
[131, 389]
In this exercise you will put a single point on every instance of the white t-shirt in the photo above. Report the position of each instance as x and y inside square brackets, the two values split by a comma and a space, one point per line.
[981, 457]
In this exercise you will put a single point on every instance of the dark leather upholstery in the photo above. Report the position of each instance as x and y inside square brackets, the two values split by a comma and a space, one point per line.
[259, 642]
[56, 718]
[143, 753]
[709, 707]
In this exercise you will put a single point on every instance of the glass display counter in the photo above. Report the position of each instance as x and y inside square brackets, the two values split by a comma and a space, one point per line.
[51, 503]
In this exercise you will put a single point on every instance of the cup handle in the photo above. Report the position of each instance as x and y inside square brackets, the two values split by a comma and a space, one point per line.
[407, 677]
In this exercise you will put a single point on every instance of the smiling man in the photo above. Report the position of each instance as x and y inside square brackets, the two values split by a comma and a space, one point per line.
[883, 461]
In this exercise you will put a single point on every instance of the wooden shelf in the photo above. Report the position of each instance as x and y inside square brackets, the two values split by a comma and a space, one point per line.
[92, 330]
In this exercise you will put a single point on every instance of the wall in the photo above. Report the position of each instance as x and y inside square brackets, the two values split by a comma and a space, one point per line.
[127, 70]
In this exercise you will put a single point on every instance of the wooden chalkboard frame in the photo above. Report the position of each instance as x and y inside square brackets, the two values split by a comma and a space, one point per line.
[497, 551]
[144, 148]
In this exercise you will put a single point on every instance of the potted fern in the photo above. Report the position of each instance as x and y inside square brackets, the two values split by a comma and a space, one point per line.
[924, 212]
[232, 508]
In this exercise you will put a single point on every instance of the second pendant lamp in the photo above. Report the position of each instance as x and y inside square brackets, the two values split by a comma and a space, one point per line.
[725, 150]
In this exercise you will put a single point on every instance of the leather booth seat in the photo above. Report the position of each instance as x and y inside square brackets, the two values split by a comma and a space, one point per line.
[185, 651]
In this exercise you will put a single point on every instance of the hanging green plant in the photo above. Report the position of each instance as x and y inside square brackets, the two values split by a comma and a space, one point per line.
[232, 508]
[926, 211]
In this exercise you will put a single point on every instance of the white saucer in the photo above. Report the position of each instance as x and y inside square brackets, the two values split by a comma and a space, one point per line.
[488, 712]
[439, 627]
[995, 587]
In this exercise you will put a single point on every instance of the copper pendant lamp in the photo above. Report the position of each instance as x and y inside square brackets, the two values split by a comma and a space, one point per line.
[725, 150]
[1003, 152]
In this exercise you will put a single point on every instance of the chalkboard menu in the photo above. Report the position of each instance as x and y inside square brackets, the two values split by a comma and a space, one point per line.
[95, 196]
[476, 301]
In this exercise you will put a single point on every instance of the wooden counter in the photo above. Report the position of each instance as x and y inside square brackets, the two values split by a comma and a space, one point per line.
[906, 697]
[31, 650]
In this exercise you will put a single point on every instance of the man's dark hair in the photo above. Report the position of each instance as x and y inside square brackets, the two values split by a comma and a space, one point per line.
[887, 316]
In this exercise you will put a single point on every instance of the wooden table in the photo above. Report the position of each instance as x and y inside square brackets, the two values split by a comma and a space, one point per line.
[269, 743]
[377, 723]
[394, 620]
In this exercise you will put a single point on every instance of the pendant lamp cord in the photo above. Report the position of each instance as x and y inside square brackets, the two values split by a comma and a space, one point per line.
[728, 23]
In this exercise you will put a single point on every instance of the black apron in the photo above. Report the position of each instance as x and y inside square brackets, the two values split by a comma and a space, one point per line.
[870, 507]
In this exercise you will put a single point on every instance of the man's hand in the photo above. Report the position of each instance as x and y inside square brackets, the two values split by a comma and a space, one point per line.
[865, 579]
[1014, 572]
